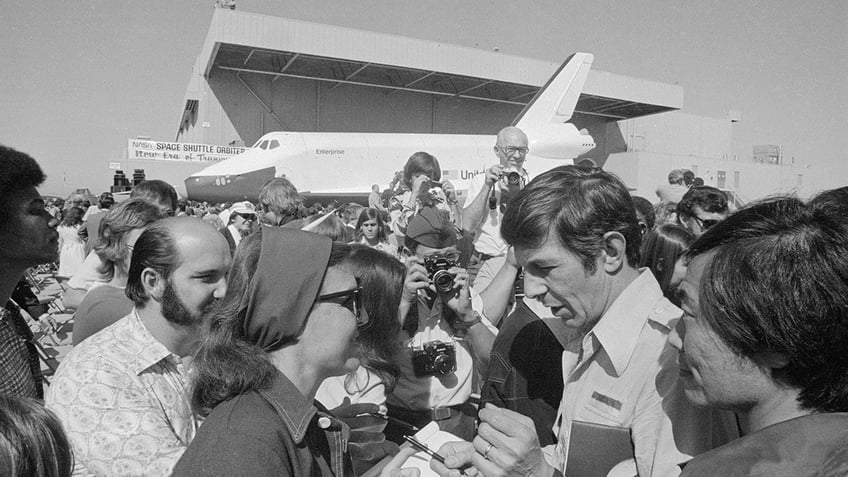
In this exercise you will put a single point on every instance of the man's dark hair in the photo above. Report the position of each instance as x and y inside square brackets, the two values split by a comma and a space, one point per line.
[709, 199]
[834, 199]
[579, 205]
[106, 200]
[155, 248]
[688, 177]
[778, 283]
[20, 171]
[280, 196]
[646, 208]
[156, 191]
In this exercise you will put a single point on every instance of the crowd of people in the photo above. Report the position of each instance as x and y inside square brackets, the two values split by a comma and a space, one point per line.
[540, 322]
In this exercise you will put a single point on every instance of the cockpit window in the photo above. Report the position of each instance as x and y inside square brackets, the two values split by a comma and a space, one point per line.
[274, 144]
[264, 144]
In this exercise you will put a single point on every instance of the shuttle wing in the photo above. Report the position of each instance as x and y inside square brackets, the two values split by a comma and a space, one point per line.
[555, 102]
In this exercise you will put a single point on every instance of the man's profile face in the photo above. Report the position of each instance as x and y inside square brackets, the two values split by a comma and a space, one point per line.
[556, 277]
[199, 281]
[511, 150]
[269, 217]
[29, 235]
[711, 372]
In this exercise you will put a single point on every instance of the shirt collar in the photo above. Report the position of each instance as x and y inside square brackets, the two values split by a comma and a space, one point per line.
[234, 232]
[149, 350]
[291, 405]
[619, 329]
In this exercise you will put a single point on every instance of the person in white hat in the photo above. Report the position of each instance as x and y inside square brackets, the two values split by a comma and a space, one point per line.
[242, 216]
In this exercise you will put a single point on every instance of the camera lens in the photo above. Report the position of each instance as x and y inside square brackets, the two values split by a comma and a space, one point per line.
[443, 281]
[444, 365]
[513, 179]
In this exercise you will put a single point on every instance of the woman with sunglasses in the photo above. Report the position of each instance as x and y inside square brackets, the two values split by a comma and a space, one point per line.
[288, 322]
[381, 278]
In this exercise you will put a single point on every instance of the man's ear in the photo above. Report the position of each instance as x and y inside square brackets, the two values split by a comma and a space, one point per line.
[153, 283]
[614, 254]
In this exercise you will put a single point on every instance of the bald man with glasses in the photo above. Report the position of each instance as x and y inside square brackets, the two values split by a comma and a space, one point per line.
[488, 197]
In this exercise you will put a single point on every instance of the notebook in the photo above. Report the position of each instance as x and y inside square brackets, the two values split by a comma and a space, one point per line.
[595, 450]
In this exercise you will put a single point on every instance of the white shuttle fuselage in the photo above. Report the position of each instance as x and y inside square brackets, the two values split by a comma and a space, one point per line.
[347, 164]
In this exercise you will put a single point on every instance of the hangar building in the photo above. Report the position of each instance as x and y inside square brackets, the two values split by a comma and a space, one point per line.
[257, 73]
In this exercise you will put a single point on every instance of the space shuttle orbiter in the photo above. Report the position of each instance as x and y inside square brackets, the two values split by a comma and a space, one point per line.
[322, 164]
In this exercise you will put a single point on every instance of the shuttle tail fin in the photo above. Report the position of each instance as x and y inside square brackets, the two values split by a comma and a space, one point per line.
[555, 102]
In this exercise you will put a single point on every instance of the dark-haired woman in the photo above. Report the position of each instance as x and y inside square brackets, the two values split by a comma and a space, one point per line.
[288, 322]
[381, 278]
[372, 231]
[662, 252]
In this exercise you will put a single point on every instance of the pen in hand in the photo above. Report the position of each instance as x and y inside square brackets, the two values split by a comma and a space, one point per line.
[423, 448]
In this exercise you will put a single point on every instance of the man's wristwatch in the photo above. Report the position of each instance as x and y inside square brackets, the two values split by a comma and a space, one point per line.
[469, 323]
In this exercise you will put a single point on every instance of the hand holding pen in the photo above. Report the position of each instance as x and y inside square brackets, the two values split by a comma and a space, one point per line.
[444, 466]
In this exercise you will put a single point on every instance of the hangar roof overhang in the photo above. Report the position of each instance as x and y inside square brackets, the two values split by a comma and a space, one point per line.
[250, 43]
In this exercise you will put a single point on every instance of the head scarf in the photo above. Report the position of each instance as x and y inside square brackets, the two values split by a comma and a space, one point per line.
[286, 283]
[432, 228]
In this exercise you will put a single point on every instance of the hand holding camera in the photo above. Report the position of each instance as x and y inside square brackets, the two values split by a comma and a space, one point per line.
[417, 278]
[441, 270]
[493, 174]
[460, 301]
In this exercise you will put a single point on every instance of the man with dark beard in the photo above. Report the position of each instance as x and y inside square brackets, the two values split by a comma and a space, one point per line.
[121, 394]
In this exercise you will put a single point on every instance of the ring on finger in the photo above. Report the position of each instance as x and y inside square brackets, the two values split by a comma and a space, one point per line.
[486, 452]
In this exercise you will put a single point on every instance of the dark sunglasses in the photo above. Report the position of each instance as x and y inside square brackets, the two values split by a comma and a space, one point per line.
[705, 224]
[350, 299]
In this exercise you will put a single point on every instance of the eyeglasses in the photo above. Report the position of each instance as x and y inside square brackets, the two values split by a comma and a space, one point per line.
[350, 299]
[452, 256]
[705, 223]
[510, 150]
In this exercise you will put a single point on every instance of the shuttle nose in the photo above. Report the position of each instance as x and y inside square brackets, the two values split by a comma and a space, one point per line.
[229, 187]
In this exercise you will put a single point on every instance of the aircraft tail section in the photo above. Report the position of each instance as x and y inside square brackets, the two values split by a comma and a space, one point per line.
[555, 102]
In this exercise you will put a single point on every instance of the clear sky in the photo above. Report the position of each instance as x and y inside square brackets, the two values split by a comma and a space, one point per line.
[81, 77]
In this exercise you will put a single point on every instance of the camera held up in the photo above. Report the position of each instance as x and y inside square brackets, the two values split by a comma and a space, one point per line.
[514, 184]
[437, 270]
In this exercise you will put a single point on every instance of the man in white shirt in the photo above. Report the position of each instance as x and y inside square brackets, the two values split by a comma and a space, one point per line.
[488, 198]
[578, 240]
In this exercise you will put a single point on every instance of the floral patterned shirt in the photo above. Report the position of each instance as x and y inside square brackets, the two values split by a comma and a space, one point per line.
[122, 398]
